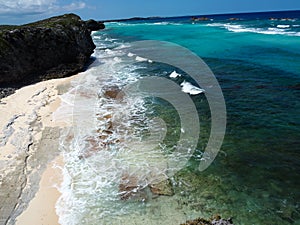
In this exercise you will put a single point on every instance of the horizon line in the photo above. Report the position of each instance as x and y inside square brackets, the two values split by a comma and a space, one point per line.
[212, 14]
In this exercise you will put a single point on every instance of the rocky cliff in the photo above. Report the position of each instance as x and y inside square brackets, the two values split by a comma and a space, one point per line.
[51, 48]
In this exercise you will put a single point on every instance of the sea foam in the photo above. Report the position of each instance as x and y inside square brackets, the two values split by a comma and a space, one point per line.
[174, 74]
[283, 26]
[191, 89]
[271, 30]
[104, 143]
[141, 59]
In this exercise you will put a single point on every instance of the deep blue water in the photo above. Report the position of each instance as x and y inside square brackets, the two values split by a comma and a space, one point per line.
[256, 176]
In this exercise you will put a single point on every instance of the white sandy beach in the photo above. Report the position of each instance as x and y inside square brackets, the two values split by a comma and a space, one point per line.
[28, 152]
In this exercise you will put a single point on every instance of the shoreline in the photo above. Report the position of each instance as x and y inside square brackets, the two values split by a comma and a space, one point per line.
[41, 209]
[29, 145]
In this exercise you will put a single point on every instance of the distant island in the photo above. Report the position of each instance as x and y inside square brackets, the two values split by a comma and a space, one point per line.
[133, 19]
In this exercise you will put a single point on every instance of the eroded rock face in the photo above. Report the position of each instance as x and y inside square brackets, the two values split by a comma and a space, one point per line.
[51, 48]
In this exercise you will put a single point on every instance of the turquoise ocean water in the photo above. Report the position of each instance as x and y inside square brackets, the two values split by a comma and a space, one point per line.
[255, 179]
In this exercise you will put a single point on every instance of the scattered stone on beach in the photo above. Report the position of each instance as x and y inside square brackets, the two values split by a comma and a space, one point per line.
[52, 48]
[216, 220]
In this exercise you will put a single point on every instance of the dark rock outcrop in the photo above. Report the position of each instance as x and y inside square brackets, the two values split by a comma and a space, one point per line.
[50, 48]
[94, 25]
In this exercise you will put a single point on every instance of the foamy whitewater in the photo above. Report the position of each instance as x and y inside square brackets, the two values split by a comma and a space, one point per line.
[115, 137]
[109, 139]
[174, 74]
[279, 29]
[191, 89]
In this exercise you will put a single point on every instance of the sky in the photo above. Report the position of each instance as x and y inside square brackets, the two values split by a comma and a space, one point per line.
[25, 11]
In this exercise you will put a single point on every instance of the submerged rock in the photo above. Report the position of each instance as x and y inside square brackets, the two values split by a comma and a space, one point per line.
[217, 220]
[130, 188]
[113, 92]
[162, 188]
[50, 48]
[133, 187]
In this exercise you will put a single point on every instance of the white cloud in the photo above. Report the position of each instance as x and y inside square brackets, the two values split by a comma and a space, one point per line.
[74, 6]
[36, 6]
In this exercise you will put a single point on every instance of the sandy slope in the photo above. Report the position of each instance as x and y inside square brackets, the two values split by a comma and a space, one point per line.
[28, 148]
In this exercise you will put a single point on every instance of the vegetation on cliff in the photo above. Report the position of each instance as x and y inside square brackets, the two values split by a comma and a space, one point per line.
[52, 48]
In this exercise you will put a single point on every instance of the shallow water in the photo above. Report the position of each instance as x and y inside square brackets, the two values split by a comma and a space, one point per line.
[255, 177]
